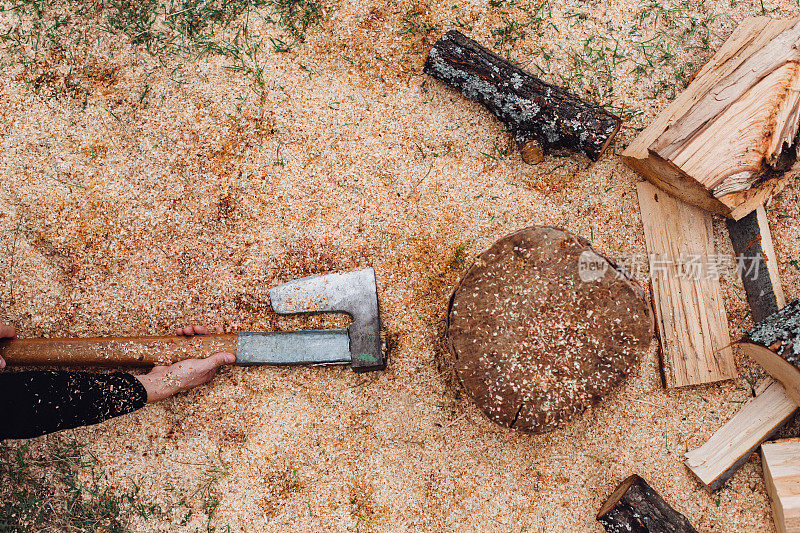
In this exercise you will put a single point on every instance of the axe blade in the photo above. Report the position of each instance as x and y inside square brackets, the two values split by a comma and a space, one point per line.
[354, 293]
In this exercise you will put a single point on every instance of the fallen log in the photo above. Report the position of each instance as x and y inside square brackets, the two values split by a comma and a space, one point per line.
[774, 343]
[729, 141]
[634, 507]
[540, 116]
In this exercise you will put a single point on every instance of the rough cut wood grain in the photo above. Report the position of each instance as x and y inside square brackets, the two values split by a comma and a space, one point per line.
[715, 462]
[690, 314]
[541, 327]
[774, 343]
[539, 115]
[729, 141]
[781, 464]
[634, 507]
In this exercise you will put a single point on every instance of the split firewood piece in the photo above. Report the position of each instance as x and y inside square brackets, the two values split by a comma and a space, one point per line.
[634, 507]
[729, 141]
[774, 343]
[715, 462]
[542, 326]
[539, 115]
[690, 313]
[781, 464]
[758, 267]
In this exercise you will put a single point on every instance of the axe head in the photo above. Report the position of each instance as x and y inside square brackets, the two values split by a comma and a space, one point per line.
[354, 293]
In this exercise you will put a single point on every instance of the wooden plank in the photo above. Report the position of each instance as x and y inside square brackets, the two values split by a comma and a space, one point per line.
[732, 445]
[727, 142]
[781, 464]
[758, 267]
[690, 314]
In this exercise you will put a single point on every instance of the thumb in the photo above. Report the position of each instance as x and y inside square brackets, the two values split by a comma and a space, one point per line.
[2, 363]
[217, 360]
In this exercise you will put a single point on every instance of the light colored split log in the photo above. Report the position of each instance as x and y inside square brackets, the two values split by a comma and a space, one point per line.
[729, 141]
[768, 251]
[781, 464]
[690, 314]
[732, 445]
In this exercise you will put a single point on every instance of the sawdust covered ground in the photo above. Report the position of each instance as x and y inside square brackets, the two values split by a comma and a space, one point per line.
[130, 214]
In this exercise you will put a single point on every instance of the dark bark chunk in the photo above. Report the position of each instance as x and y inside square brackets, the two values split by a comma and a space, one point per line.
[634, 507]
[746, 239]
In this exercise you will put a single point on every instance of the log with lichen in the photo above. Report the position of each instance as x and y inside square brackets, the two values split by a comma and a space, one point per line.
[774, 343]
[540, 116]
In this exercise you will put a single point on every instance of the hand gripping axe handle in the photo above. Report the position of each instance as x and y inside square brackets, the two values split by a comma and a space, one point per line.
[354, 293]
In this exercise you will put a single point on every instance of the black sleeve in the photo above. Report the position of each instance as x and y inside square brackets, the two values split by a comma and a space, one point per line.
[37, 402]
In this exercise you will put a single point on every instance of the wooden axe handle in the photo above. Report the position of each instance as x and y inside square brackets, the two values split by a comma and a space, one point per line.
[114, 351]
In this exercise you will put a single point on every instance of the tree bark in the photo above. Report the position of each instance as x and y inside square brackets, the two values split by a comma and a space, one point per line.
[634, 507]
[531, 109]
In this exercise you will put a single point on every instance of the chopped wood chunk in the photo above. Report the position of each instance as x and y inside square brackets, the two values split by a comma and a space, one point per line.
[715, 462]
[774, 343]
[781, 464]
[634, 507]
[690, 313]
[729, 141]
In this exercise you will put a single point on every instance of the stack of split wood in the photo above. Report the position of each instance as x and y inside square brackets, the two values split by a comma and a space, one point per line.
[725, 146]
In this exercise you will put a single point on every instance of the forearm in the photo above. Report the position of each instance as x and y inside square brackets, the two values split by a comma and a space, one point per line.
[37, 402]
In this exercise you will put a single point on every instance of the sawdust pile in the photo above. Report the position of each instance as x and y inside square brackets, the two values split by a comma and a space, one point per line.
[163, 195]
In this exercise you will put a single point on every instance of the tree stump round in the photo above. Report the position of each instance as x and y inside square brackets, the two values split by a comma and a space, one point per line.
[542, 326]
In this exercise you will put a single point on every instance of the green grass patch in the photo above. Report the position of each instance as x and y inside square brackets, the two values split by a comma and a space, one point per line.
[56, 484]
[44, 36]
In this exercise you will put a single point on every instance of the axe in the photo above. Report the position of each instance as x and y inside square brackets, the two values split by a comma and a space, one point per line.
[354, 293]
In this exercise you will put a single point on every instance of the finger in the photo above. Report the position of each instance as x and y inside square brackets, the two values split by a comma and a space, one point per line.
[188, 330]
[179, 331]
[218, 330]
[2, 363]
[201, 330]
[7, 332]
